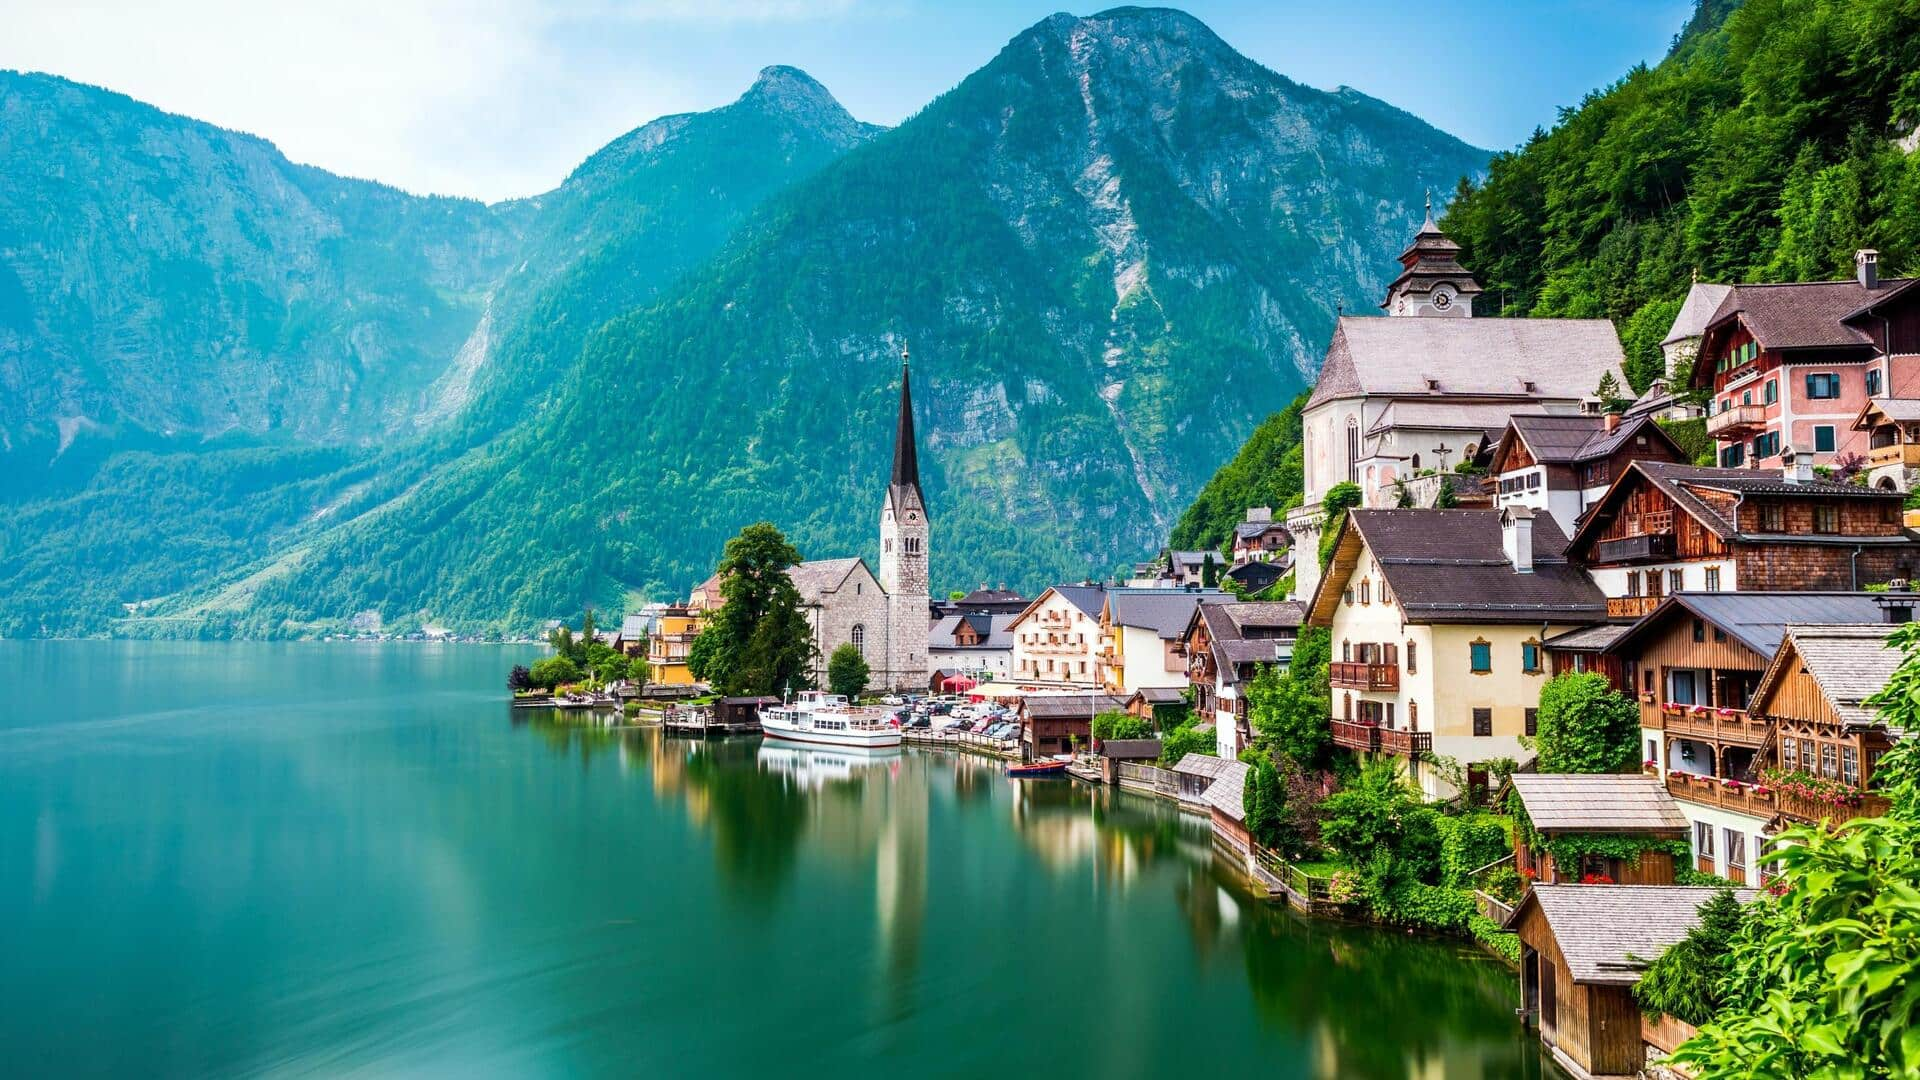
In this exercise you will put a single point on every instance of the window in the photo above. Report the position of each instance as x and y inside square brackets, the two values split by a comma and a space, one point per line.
[1412, 659]
[1731, 457]
[1789, 754]
[1829, 761]
[1676, 580]
[859, 637]
[1773, 517]
[1633, 583]
[1646, 680]
[1413, 716]
[1533, 722]
[1746, 398]
[1416, 463]
[1703, 840]
[1483, 721]
[1353, 449]
[1713, 579]
[1826, 519]
[1823, 438]
[1653, 750]
[1366, 592]
[1823, 385]
[1347, 595]
[1850, 766]
[1699, 630]
[1346, 651]
[1873, 382]
[1482, 657]
[1681, 689]
[1772, 391]
[1530, 657]
[1736, 848]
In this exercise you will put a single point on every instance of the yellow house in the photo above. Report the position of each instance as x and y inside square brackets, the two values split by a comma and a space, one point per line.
[1143, 633]
[1437, 618]
[667, 648]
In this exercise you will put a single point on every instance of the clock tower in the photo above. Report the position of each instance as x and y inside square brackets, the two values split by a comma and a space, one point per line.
[1432, 282]
[904, 532]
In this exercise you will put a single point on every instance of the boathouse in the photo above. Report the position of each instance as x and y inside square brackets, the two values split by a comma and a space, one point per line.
[1226, 804]
[1582, 949]
[1578, 806]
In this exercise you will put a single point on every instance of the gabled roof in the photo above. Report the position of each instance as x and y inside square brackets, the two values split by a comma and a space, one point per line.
[1256, 575]
[1163, 611]
[996, 631]
[1598, 803]
[1887, 410]
[1849, 663]
[1158, 695]
[1696, 311]
[1247, 530]
[1228, 622]
[984, 595]
[1608, 934]
[1795, 315]
[1070, 706]
[1572, 439]
[633, 627]
[1684, 483]
[1228, 791]
[1450, 566]
[1089, 598]
[1396, 356]
[1198, 764]
[1757, 620]
[815, 578]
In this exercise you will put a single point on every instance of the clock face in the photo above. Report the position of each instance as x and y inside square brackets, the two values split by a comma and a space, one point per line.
[1442, 298]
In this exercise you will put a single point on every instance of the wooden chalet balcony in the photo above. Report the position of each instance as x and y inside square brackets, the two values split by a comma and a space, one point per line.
[1370, 737]
[1733, 727]
[1802, 808]
[1712, 791]
[1907, 454]
[1359, 675]
[1355, 736]
[1738, 420]
[1631, 607]
[1632, 548]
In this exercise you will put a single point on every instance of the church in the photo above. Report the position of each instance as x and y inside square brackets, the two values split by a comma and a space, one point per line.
[884, 615]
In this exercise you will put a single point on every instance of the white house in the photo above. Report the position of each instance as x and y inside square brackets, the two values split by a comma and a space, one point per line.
[1056, 640]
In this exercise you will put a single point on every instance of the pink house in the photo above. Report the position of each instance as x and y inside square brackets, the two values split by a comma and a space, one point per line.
[1791, 366]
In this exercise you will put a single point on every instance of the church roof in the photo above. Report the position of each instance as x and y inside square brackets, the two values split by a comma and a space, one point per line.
[1702, 301]
[815, 578]
[1441, 358]
[906, 455]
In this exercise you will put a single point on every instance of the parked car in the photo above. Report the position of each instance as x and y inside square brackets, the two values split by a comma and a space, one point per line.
[920, 721]
[893, 699]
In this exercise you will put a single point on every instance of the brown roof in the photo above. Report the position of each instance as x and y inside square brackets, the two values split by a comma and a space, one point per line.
[1449, 566]
[1683, 483]
[1562, 358]
[1610, 933]
[1797, 315]
[1130, 749]
[1159, 695]
[1604, 803]
[1849, 663]
[1227, 626]
[1071, 706]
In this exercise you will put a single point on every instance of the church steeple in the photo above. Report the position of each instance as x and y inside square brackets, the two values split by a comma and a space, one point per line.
[906, 457]
[1431, 281]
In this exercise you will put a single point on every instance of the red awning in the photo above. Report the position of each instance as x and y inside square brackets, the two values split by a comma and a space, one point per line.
[957, 682]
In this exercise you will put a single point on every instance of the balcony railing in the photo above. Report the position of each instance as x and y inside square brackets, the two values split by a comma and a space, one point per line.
[1630, 548]
[1737, 419]
[1712, 791]
[1804, 809]
[1897, 454]
[1405, 743]
[1631, 607]
[1359, 675]
[1355, 736]
[1732, 727]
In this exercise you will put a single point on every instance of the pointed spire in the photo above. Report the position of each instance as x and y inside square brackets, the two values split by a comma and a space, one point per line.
[906, 457]
[1429, 226]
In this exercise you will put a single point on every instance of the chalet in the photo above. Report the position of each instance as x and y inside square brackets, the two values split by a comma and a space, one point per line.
[1892, 429]
[1224, 643]
[1430, 386]
[1564, 464]
[1141, 633]
[1582, 949]
[1161, 706]
[1577, 652]
[1057, 636]
[1815, 693]
[1664, 528]
[976, 643]
[1055, 723]
[1260, 538]
[1694, 664]
[1790, 366]
[1586, 805]
[1258, 577]
[1438, 620]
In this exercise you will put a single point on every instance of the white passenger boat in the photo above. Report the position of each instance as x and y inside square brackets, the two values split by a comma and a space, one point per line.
[825, 719]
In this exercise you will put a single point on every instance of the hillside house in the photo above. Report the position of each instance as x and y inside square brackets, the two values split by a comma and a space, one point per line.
[1564, 464]
[1260, 538]
[1142, 634]
[1224, 643]
[1056, 639]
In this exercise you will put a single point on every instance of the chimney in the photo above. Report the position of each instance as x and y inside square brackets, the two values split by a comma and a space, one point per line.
[1796, 468]
[1610, 421]
[1516, 537]
[1866, 268]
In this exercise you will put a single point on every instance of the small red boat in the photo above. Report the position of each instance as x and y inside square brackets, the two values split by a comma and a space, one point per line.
[1044, 767]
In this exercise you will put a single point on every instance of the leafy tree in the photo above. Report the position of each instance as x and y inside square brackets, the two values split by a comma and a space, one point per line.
[1334, 505]
[1186, 739]
[1209, 572]
[1586, 727]
[1267, 471]
[1684, 982]
[554, 671]
[1447, 499]
[1116, 724]
[520, 678]
[957, 594]
[1288, 710]
[1823, 974]
[847, 671]
[759, 642]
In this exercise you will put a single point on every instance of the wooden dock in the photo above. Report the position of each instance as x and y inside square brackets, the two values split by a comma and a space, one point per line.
[701, 722]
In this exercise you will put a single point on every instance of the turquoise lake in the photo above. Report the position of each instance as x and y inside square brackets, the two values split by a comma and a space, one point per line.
[333, 859]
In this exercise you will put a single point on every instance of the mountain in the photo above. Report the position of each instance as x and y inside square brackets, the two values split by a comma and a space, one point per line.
[1112, 250]
[1268, 471]
[131, 481]
[1774, 140]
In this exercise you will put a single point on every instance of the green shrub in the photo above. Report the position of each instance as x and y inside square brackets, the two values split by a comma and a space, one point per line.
[1488, 933]
[1469, 843]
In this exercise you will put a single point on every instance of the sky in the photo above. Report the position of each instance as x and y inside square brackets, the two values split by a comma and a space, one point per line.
[494, 99]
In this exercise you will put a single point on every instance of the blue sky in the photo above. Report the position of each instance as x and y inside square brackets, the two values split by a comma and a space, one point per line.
[503, 97]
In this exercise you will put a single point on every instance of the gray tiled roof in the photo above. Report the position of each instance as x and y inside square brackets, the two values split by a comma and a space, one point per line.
[1588, 637]
[1054, 706]
[1196, 764]
[1696, 311]
[1450, 566]
[1088, 598]
[1228, 791]
[1164, 611]
[1609, 933]
[1851, 663]
[813, 578]
[1759, 620]
[998, 635]
[1580, 802]
[1248, 529]
[1897, 409]
[1563, 358]
[1160, 695]
[633, 627]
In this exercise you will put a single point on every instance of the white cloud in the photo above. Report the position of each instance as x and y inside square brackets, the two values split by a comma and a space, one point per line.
[489, 100]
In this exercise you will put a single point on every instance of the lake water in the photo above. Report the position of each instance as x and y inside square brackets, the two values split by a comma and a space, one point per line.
[338, 859]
